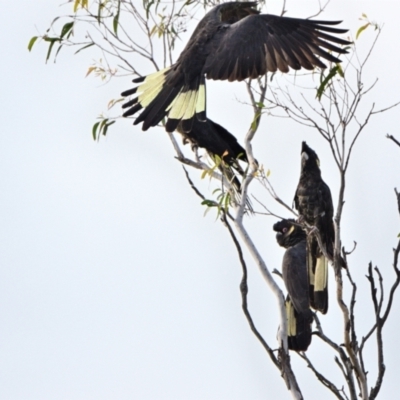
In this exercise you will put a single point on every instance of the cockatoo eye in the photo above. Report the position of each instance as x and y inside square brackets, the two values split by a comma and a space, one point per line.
[284, 230]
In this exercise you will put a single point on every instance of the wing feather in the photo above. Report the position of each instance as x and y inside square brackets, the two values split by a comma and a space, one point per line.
[259, 43]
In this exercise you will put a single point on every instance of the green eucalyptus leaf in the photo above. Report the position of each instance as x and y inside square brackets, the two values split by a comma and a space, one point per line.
[325, 82]
[94, 130]
[361, 29]
[32, 42]
[84, 47]
[116, 18]
[67, 28]
[58, 50]
[52, 41]
[105, 129]
[208, 203]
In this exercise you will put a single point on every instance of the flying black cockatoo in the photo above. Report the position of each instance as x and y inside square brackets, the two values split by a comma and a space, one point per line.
[294, 273]
[232, 42]
[217, 141]
[313, 201]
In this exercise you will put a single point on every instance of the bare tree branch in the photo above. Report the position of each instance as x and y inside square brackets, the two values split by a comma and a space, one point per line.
[391, 137]
[322, 378]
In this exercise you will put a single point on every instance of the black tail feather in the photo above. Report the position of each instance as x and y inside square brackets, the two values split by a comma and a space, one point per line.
[172, 124]
[132, 111]
[320, 301]
[140, 79]
[299, 327]
[156, 110]
[130, 103]
[129, 92]
[187, 124]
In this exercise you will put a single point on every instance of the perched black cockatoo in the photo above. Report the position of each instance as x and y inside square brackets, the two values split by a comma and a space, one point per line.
[313, 201]
[232, 42]
[217, 141]
[294, 273]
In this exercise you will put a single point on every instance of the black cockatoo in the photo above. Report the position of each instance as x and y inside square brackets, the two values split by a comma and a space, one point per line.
[232, 42]
[313, 200]
[218, 141]
[294, 273]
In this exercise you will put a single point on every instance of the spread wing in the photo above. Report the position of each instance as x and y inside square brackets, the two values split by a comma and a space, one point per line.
[260, 43]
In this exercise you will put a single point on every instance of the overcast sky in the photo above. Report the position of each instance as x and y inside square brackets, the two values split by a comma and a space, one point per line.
[113, 283]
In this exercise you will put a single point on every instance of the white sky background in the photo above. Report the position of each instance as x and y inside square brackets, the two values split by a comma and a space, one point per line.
[113, 284]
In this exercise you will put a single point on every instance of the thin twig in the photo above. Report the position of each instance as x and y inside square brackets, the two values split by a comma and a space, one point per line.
[326, 382]
[391, 137]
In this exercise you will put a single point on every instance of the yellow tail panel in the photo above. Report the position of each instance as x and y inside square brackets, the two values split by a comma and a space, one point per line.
[321, 274]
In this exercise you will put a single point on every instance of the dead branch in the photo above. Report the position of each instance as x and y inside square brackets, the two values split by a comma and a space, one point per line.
[326, 382]
[391, 137]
